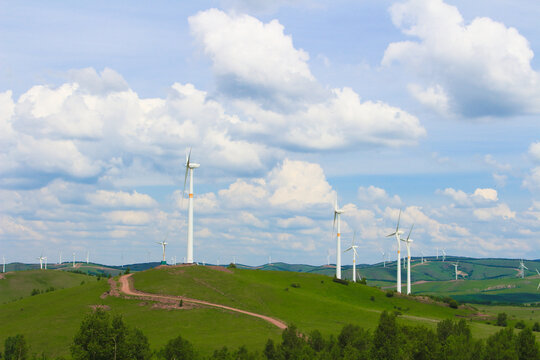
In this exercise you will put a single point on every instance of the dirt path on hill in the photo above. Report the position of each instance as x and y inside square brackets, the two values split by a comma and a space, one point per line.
[126, 286]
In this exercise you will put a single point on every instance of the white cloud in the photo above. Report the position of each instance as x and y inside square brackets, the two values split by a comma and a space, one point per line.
[483, 67]
[242, 193]
[434, 97]
[251, 58]
[501, 210]
[534, 151]
[115, 199]
[296, 222]
[373, 194]
[490, 160]
[128, 217]
[480, 196]
[532, 180]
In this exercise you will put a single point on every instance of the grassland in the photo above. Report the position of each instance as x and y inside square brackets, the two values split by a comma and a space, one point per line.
[314, 302]
[16, 285]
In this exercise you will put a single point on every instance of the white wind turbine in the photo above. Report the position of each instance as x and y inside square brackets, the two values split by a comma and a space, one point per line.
[537, 288]
[87, 256]
[408, 242]
[337, 216]
[73, 259]
[355, 254]
[522, 268]
[163, 243]
[4, 261]
[397, 233]
[443, 255]
[41, 258]
[383, 257]
[437, 253]
[328, 257]
[190, 166]
[456, 266]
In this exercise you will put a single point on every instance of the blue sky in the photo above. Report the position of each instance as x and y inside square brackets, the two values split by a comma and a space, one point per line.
[422, 105]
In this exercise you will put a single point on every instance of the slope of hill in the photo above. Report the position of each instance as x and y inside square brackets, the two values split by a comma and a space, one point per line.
[20, 284]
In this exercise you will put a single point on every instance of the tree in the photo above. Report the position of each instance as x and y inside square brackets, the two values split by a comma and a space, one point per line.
[386, 342]
[501, 346]
[178, 349]
[502, 319]
[526, 346]
[15, 348]
[99, 338]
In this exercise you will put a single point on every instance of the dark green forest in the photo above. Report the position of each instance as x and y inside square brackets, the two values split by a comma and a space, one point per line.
[105, 337]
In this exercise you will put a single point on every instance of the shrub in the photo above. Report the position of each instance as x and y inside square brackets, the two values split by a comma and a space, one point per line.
[372, 298]
[453, 304]
[520, 325]
[502, 319]
[340, 281]
[536, 327]
[231, 266]
[35, 292]
[295, 285]
[389, 293]
[127, 271]
[181, 303]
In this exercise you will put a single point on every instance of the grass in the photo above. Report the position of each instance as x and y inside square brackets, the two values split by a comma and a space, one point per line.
[49, 321]
[20, 284]
[319, 303]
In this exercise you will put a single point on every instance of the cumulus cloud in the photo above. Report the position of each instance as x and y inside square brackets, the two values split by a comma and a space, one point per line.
[115, 199]
[532, 180]
[373, 194]
[481, 68]
[499, 211]
[480, 196]
[129, 217]
[534, 151]
[253, 59]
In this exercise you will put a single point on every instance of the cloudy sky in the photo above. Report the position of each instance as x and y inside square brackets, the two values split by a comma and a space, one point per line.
[422, 105]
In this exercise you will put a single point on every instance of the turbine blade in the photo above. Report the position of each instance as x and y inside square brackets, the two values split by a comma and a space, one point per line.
[348, 249]
[399, 217]
[410, 231]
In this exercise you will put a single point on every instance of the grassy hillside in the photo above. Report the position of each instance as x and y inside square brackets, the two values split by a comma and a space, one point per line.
[16, 285]
[510, 290]
[50, 320]
[314, 302]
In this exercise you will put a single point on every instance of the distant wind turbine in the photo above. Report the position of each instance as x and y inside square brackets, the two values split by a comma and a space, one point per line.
[190, 166]
[396, 234]
[73, 259]
[4, 261]
[537, 288]
[269, 260]
[422, 256]
[355, 254]
[41, 258]
[456, 266]
[337, 218]
[443, 255]
[522, 268]
[163, 243]
[408, 242]
[383, 257]
[87, 256]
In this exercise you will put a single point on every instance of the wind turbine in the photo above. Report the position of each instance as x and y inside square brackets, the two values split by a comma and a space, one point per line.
[189, 169]
[397, 233]
[73, 259]
[355, 254]
[522, 268]
[328, 257]
[437, 253]
[45, 258]
[163, 243]
[383, 257]
[87, 256]
[456, 266]
[443, 255]
[538, 272]
[4, 261]
[41, 258]
[408, 242]
[337, 216]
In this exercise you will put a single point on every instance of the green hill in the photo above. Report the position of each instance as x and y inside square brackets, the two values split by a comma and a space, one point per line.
[20, 284]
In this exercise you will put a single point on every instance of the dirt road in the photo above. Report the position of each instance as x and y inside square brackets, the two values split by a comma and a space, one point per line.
[126, 286]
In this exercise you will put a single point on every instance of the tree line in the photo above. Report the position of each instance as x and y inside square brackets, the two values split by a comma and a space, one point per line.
[105, 337]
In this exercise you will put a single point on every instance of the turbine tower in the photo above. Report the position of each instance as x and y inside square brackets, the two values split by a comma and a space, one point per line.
[189, 168]
[522, 268]
[337, 218]
[73, 259]
[396, 234]
[355, 254]
[383, 257]
[443, 255]
[41, 258]
[422, 256]
[45, 258]
[456, 266]
[537, 288]
[163, 243]
[4, 261]
[87, 256]
[408, 242]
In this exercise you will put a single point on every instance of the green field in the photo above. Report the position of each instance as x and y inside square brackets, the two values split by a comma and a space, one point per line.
[20, 284]
[50, 320]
